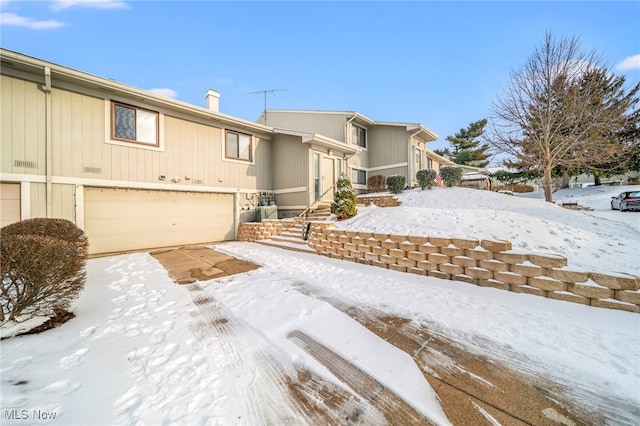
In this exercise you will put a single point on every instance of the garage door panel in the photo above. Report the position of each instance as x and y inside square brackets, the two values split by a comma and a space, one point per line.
[9, 203]
[120, 220]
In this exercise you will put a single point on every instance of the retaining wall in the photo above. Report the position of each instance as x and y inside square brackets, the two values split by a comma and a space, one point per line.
[255, 231]
[379, 200]
[481, 262]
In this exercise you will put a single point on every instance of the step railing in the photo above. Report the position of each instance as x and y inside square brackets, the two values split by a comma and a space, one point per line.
[303, 215]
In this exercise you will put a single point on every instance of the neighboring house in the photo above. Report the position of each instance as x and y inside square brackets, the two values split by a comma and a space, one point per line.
[359, 147]
[136, 170]
[133, 169]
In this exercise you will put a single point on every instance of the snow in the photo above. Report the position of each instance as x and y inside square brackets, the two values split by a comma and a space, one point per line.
[143, 350]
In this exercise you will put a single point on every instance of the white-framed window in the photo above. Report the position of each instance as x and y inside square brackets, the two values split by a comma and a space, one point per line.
[358, 177]
[134, 125]
[358, 136]
[429, 164]
[238, 146]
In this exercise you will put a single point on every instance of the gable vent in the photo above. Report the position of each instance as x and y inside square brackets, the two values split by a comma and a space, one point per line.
[92, 169]
[25, 163]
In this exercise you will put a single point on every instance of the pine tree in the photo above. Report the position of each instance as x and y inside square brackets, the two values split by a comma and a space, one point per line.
[466, 148]
[345, 199]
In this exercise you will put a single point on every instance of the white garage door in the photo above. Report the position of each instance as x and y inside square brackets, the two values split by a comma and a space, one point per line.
[9, 203]
[131, 219]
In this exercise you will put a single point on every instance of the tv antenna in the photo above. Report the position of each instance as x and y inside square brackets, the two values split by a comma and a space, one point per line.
[265, 92]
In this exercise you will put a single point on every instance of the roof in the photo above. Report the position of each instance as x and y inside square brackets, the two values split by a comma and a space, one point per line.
[21, 62]
[317, 139]
[424, 132]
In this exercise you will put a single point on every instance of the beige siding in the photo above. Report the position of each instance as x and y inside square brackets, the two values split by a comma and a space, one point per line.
[327, 124]
[22, 127]
[387, 145]
[292, 199]
[191, 150]
[38, 200]
[63, 205]
[290, 162]
[388, 172]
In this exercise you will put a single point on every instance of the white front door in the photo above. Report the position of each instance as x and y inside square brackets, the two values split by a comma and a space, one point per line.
[328, 178]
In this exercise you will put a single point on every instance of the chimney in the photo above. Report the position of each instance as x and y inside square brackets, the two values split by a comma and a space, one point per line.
[213, 100]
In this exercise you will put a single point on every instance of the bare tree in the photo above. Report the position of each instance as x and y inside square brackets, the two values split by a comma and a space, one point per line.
[546, 118]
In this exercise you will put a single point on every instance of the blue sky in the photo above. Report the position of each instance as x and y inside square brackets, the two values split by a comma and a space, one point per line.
[441, 64]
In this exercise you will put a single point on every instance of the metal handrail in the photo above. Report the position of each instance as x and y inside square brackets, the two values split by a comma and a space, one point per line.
[303, 215]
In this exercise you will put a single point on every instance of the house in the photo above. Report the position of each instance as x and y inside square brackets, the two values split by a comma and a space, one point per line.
[357, 146]
[136, 170]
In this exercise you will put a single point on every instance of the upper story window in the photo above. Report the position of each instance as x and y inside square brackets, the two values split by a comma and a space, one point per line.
[358, 136]
[238, 146]
[132, 124]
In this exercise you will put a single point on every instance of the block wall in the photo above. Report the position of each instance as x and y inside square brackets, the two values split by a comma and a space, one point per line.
[380, 201]
[255, 231]
[481, 262]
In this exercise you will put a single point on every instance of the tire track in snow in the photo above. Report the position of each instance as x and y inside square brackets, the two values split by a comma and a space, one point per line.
[235, 350]
[446, 364]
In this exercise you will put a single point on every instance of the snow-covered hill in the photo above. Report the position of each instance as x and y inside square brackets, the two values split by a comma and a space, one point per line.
[601, 240]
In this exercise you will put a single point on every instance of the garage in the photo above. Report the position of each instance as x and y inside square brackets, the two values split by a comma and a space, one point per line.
[9, 203]
[133, 219]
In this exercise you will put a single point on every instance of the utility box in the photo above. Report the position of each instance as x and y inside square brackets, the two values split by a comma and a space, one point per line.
[267, 212]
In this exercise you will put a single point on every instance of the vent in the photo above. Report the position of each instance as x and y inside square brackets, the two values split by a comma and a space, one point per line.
[93, 169]
[26, 164]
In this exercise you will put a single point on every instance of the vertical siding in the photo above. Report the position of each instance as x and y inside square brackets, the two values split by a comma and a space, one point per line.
[290, 162]
[327, 124]
[38, 200]
[64, 202]
[387, 145]
[23, 126]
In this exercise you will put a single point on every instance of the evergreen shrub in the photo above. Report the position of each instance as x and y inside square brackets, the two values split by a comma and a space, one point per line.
[425, 178]
[451, 175]
[345, 199]
[396, 183]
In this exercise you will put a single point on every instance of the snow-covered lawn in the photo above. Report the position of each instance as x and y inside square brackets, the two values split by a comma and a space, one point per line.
[143, 350]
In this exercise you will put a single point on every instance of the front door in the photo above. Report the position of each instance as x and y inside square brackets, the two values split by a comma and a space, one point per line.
[328, 178]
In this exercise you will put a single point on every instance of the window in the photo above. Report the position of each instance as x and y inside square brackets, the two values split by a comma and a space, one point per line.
[429, 164]
[337, 168]
[238, 146]
[131, 124]
[358, 136]
[316, 175]
[358, 177]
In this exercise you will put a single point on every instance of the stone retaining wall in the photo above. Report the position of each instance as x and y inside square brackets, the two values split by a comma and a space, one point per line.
[255, 231]
[481, 262]
[380, 200]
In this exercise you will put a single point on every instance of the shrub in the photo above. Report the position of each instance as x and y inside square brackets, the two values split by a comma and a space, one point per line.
[344, 200]
[396, 183]
[376, 183]
[425, 178]
[42, 263]
[518, 188]
[451, 175]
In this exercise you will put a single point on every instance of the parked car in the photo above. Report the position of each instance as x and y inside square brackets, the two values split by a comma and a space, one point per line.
[629, 200]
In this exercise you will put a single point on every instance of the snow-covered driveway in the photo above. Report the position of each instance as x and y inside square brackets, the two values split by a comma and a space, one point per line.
[292, 343]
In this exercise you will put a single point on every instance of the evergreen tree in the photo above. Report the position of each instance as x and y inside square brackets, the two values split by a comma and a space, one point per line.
[466, 147]
[345, 199]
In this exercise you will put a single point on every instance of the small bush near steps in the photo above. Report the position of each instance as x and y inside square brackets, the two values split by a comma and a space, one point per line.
[425, 178]
[43, 268]
[376, 183]
[396, 183]
[344, 200]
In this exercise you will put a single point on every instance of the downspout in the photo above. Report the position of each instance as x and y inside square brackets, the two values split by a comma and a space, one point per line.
[48, 142]
[411, 162]
[347, 140]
